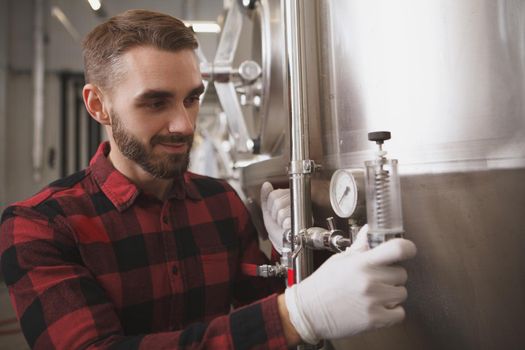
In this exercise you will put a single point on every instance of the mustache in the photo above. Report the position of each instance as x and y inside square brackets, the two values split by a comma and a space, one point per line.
[172, 138]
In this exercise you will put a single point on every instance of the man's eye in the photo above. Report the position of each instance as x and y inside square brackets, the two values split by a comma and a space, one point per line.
[192, 100]
[156, 105]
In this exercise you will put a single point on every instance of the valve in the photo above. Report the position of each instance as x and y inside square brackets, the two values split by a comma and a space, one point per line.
[318, 238]
[322, 239]
[285, 267]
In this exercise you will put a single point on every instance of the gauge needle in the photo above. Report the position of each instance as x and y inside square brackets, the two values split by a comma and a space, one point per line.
[347, 189]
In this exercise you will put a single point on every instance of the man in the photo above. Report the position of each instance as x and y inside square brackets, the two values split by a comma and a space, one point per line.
[136, 252]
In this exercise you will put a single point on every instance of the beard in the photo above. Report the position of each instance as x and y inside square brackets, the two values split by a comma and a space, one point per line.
[163, 166]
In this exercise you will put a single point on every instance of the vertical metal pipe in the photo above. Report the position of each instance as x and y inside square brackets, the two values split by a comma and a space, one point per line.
[38, 91]
[299, 169]
[189, 9]
[3, 100]
[64, 125]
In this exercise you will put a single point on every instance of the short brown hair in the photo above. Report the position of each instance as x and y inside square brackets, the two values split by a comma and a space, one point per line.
[104, 45]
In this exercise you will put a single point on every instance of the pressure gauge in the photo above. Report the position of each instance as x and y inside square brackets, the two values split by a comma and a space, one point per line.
[343, 193]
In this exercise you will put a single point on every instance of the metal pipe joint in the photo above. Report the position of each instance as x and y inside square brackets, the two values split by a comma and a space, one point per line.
[319, 238]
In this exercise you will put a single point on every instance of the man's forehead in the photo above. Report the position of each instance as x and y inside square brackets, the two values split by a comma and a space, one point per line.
[160, 69]
[148, 54]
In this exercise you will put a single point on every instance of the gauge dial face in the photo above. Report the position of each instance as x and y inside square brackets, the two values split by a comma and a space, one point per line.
[343, 193]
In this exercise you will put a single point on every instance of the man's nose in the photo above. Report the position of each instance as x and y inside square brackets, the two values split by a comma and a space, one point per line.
[181, 121]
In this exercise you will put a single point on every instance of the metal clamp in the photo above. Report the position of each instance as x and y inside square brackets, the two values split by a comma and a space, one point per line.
[299, 243]
[306, 166]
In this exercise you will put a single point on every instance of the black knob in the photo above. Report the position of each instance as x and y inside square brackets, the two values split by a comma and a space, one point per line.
[379, 136]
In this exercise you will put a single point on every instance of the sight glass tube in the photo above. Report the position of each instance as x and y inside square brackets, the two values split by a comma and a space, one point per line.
[383, 200]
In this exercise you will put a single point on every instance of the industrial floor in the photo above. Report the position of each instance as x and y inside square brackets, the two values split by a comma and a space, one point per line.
[10, 336]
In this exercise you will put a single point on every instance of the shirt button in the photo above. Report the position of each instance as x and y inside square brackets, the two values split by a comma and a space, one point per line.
[165, 219]
[174, 270]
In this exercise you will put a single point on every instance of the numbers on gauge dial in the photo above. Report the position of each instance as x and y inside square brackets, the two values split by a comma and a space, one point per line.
[343, 193]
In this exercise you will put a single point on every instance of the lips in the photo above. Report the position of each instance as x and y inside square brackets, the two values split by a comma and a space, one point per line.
[174, 147]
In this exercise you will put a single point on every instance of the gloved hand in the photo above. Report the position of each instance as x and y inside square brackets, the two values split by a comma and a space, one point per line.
[351, 292]
[275, 205]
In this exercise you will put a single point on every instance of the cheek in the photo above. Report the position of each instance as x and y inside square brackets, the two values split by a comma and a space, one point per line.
[144, 129]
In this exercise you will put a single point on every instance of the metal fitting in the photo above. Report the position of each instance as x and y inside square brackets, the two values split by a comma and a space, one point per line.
[307, 166]
[276, 270]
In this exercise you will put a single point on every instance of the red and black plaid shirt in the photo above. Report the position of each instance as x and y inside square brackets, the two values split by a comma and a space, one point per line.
[93, 262]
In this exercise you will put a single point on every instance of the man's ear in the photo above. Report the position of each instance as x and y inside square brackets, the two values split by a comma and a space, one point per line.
[95, 104]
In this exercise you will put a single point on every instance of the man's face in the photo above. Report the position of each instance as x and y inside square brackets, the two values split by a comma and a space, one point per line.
[154, 108]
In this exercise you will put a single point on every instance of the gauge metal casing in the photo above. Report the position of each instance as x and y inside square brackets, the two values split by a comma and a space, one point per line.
[343, 193]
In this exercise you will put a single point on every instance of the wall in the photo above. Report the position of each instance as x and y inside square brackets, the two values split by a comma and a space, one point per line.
[64, 51]
[17, 142]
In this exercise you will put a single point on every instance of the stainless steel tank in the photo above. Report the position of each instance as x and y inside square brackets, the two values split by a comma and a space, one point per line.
[446, 77]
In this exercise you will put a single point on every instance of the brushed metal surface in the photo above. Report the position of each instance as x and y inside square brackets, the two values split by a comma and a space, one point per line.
[467, 284]
[447, 79]
[268, 44]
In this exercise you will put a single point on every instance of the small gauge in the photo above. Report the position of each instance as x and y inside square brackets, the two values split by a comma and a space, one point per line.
[343, 193]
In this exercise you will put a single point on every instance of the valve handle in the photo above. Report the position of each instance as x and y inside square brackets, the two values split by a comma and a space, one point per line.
[331, 224]
[379, 136]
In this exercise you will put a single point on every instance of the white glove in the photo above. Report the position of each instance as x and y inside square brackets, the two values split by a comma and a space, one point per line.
[275, 205]
[351, 292]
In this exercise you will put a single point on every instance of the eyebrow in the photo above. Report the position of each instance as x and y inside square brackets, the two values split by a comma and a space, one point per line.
[159, 94]
[198, 90]
[153, 94]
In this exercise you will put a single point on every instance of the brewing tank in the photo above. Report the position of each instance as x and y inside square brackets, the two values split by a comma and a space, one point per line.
[446, 77]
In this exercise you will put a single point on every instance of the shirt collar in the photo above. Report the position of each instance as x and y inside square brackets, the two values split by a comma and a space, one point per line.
[184, 188]
[121, 191]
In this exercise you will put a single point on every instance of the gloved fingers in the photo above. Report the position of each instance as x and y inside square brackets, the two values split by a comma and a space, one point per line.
[361, 240]
[287, 223]
[266, 189]
[390, 275]
[277, 200]
[273, 229]
[282, 215]
[385, 295]
[394, 296]
[392, 316]
[395, 250]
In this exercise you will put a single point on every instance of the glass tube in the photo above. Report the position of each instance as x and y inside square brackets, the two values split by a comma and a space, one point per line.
[383, 199]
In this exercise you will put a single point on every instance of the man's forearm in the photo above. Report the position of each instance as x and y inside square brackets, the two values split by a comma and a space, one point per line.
[291, 335]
